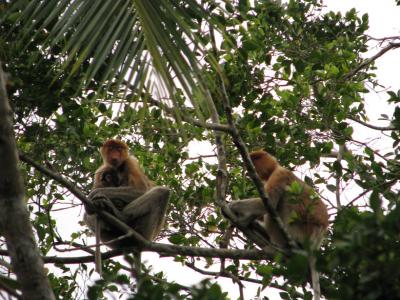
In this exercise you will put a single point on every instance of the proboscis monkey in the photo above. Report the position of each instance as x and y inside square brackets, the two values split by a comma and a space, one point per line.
[303, 214]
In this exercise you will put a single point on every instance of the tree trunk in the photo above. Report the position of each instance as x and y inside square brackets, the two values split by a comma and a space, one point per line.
[14, 218]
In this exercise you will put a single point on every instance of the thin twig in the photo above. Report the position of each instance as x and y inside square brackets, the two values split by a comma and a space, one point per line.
[370, 60]
[9, 290]
[387, 128]
[242, 278]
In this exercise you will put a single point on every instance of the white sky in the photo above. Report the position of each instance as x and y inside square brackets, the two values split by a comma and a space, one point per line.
[384, 21]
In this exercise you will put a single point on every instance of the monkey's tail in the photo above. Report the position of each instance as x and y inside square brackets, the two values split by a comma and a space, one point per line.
[138, 263]
[314, 278]
[138, 268]
[97, 257]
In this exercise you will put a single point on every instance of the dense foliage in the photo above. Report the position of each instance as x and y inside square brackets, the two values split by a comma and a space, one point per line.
[296, 79]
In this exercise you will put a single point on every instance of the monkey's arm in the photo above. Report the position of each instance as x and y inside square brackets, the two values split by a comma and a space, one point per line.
[119, 196]
[101, 202]
[97, 177]
[112, 199]
[248, 210]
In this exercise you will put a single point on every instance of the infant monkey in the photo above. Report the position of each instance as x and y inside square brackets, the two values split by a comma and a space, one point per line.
[110, 177]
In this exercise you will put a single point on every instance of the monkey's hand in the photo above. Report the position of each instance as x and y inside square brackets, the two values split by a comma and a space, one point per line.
[101, 202]
[242, 221]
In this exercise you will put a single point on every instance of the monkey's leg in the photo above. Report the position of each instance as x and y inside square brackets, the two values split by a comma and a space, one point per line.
[146, 216]
[146, 213]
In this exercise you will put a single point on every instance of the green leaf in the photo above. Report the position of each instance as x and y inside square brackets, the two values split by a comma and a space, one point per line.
[177, 239]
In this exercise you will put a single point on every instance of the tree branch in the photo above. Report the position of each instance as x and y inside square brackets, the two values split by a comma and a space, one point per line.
[14, 217]
[164, 249]
[240, 145]
[370, 60]
[256, 236]
[339, 158]
[388, 128]
[55, 176]
[186, 117]
[243, 278]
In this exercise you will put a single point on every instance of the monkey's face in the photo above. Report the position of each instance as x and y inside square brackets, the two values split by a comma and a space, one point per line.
[114, 152]
[264, 164]
[115, 156]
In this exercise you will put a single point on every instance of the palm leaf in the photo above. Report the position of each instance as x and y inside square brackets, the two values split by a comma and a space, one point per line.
[113, 41]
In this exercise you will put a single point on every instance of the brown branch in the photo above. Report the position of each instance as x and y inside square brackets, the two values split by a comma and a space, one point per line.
[222, 176]
[240, 145]
[14, 217]
[370, 60]
[339, 158]
[395, 37]
[5, 287]
[387, 128]
[165, 249]
[55, 176]
[170, 250]
[185, 115]
[383, 184]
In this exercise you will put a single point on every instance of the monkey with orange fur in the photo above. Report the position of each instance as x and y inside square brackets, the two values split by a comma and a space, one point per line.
[303, 214]
[123, 189]
[115, 155]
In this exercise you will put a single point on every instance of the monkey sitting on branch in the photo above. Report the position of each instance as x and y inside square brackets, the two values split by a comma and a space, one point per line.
[303, 214]
[123, 189]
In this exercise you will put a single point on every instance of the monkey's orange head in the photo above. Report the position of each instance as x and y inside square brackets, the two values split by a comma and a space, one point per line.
[114, 152]
[264, 163]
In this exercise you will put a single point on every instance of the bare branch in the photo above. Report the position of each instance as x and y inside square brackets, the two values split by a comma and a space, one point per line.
[170, 250]
[370, 60]
[5, 287]
[55, 176]
[372, 126]
[342, 148]
[384, 39]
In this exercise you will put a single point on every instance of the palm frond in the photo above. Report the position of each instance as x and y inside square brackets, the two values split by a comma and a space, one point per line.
[110, 42]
